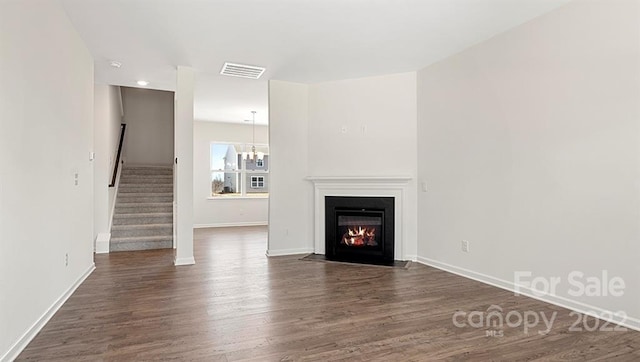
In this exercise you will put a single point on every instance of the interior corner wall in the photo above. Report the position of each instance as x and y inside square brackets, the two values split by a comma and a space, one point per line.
[150, 126]
[223, 211]
[46, 136]
[367, 127]
[529, 146]
[290, 209]
[106, 136]
[356, 127]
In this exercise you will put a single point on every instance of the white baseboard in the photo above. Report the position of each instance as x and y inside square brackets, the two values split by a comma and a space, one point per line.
[230, 224]
[26, 338]
[283, 252]
[184, 261]
[102, 243]
[410, 257]
[629, 322]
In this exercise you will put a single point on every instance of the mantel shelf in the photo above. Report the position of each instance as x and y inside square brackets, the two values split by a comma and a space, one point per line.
[359, 179]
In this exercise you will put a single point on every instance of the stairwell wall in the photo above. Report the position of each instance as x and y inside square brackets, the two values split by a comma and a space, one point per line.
[106, 136]
[150, 129]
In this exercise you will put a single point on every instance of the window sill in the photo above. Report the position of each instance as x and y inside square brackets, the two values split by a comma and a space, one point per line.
[261, 197]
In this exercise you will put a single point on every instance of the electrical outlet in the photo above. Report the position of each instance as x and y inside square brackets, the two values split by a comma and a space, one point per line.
[465, 246]
[66, 259]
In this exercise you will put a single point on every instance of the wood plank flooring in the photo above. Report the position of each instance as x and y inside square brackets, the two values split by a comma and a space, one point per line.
[236, 304]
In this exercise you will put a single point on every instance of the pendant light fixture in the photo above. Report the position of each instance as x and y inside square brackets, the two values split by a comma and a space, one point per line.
[253, 155]
[253, 145]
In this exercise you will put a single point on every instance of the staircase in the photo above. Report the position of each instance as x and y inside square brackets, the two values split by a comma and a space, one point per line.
[143, 216]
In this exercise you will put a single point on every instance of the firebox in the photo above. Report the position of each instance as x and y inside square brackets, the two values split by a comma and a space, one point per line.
[359, 229]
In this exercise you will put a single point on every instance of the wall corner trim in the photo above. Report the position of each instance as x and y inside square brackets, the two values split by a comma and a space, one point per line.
[102, 243]
[184, 261]
[410, 257]
[35, 328]
[283, 252]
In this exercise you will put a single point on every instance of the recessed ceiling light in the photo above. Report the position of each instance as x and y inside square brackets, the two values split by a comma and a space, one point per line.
[115, 64]
[142, 83]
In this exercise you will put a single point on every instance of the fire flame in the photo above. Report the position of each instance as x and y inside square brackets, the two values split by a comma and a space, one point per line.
[360, 236]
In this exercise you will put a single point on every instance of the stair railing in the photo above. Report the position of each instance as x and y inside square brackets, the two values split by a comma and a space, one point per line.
[123, 128]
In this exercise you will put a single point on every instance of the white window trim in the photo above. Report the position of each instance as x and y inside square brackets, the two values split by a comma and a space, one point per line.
[238, 197]
[259, 179]
[242, 171]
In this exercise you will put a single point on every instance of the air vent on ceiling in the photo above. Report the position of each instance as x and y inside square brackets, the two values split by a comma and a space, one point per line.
[242, 70]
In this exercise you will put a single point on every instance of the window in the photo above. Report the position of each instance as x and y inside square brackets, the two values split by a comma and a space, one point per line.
[257, 182]
[236, 172]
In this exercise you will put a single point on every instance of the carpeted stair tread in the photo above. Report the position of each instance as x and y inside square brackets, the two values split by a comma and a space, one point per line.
[143, 218]
[148, 226]
[143, 214]
[142, 204]
[145, 189]
[136, 194]
[141, 243]
[149, 181]
[151, 197]
[119, 231]
[146, 177]
[147, 172]
[142, 238]
[143, 207]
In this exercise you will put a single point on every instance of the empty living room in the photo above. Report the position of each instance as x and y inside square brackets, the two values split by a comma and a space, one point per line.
[383, 180]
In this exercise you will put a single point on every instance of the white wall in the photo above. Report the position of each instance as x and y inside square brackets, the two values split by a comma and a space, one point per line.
[150, 130]
[378, 116]
[223, 211]
[46, 135]
[367, 127]
[106, 136]
[529, 144]
[183, 168]
[290, 201]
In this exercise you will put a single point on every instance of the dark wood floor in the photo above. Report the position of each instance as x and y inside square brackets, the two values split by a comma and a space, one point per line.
[236, 304]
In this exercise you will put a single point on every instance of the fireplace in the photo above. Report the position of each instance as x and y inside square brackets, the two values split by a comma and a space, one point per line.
[359, 229]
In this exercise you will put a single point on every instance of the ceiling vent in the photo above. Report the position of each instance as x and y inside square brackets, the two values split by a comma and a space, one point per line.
[242, 70]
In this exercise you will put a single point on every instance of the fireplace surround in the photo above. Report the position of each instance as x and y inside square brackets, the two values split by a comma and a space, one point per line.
[396, 187]
[359, 229]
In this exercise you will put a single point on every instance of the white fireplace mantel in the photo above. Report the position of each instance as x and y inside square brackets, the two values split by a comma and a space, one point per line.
[400, 180]
[364, 186]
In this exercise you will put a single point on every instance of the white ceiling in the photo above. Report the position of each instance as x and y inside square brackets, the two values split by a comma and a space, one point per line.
[296, 40]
